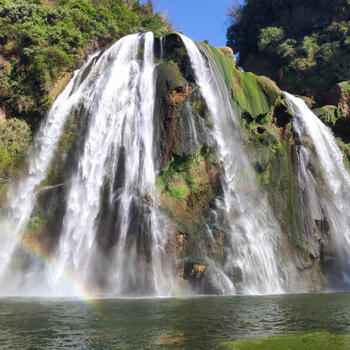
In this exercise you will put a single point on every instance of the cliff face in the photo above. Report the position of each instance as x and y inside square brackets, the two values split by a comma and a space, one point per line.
[189, 180]
[189, 172]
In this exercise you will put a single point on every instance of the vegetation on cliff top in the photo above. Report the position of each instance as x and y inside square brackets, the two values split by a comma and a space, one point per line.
[41, 43]
[40, 40]
[302, 44]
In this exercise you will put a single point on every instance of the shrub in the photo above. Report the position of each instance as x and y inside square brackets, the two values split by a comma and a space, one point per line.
[44, 39]
[14, 140]
[302, 46]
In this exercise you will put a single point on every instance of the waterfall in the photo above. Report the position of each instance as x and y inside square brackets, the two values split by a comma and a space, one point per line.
[329, 193]
[22, 194]
[119, 144]
[113, 236]
[254, 234]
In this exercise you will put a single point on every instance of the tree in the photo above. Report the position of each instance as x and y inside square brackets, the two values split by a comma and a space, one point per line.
[303, 44]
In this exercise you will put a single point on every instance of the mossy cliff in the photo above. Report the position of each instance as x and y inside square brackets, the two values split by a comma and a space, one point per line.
[189, 180]
[190, 174]
[267, 124]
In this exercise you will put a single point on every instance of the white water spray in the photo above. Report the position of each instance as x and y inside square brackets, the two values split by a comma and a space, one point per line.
[115, 166]
[22, 193]
[334, 196]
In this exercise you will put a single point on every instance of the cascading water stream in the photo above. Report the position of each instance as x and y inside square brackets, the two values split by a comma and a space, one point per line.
[22, 194]
[113, 236]
[118, 155]
[254, 234]
[333, 197]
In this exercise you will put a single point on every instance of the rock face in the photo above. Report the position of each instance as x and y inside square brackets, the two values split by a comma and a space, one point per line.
[189, 179]
[228, 52]
[340, 96]
[336, 114]
[189, 172]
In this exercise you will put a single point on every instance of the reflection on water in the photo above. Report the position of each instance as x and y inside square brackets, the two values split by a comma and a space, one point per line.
[186, 323]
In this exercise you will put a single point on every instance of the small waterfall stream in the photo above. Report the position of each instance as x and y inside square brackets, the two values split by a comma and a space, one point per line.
[330, 193]
[254, 234]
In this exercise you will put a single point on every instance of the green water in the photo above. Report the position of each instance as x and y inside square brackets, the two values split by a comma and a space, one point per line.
[184, 323]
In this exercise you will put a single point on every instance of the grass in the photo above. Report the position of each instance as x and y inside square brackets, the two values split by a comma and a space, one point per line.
[312, 341]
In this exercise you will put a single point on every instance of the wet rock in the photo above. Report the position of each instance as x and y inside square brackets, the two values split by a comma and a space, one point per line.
[340, 96]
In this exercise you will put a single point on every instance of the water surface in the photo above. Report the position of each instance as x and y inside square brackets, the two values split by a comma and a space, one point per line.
[184, 323]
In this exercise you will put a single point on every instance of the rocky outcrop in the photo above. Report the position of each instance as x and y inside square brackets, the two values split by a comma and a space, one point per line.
[340, 96]
[337, 116]
[336, 113]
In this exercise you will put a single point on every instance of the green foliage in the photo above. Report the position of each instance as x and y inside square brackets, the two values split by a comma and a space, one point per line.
[14, 139]
[303, 46]
[328, 114]
[34, 224]
[177, 179]
[40, 40]
[178, 192]
[252, 94]
[270, 38]
[314, 341]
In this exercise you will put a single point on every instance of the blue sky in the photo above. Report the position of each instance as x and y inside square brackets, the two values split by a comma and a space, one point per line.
[198, 19]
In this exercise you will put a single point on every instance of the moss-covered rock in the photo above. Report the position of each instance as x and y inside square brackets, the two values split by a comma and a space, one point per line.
[189, 177]
[266, 122]
[337, 113]
[252, 94]
[329, 114]
[188, 184]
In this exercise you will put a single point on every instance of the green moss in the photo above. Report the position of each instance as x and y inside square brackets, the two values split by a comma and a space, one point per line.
[328, 114]
[253, 94]
[179, 80]
[187, 186]
[34, 224]
[177, 191]
[265, 175]
[198, 106]
[176, 179]
[14, 140]
[345, 85]
[313, 341]
[345, 148]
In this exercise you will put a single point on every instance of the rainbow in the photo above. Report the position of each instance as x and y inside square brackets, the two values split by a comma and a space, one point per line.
[35, 249]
